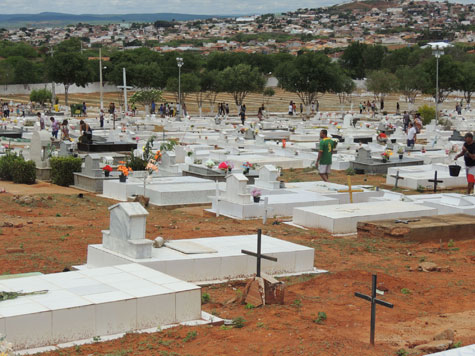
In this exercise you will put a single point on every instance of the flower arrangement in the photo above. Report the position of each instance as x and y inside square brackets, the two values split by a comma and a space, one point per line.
[107, 168]
[158, 156]
[210, 163]
[226, 166]
[256, 193]
[385, 155]
[249, 165]
[400, 150]
[123, 169]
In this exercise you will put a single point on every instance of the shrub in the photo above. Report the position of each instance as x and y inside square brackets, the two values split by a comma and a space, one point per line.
[24, 172]
[428, 114]
[62, 169]
[6, 165]
[136, 163]
[41, 96]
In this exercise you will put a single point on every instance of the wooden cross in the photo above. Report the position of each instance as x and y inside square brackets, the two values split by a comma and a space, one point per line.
[373, 301]
[435, 181]
[397, 179]
[259, 255]
[350, 191]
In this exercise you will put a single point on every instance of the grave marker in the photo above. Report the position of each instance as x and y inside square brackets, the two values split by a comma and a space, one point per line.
[435, 181]
[259, 255]
[397, 179]
[373, 301]
[350, 191]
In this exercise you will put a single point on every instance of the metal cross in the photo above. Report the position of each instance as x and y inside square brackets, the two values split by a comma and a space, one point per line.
[350, 191]
[397, 179]
[259, 255]
[373, 301]
[435, 181]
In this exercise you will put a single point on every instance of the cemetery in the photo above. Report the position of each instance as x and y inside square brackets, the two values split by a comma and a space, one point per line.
[201, 234]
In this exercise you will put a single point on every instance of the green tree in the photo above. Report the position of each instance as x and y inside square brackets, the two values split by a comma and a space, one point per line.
[449, 76]
[381, 83]
[190, 83]
[466, 80]
[240, 80]
[40, 96]
[411, 82]
[309, 75]
[146, 97]
[69, 66]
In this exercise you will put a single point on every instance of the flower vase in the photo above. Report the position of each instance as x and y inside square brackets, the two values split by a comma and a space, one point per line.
[246, 171]
[229, 170]
[256, 199]
[122, 178]
[384, 160]
[106, 173]
[401, 156]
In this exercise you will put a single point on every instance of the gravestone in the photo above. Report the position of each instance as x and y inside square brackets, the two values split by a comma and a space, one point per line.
[456, 136]
[180, 154]
[40, 143]
[168, 159]
[347, 121]
[363, 155]
[127, 231]
[92, 164]
[268, 176]
[66, 149]
[236, 191]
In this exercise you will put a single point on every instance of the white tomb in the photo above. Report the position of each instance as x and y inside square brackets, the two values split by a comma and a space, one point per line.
[127, 231]
[268, 176]
[343, 219]
[40, 142]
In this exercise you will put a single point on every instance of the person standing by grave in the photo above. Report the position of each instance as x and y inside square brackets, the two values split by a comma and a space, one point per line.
[86, 131]
[54, 127]
[468, 153]
[227, 109]
[398, 108]
[84, 108]
[101, 118]
[411, 135]
[242, 114]
[325, 152]
[301, 108]
[418, 123]
[65, 131]
[41, 119]
[291, 108]
[153, 107]
[406, 119]
[361, 108]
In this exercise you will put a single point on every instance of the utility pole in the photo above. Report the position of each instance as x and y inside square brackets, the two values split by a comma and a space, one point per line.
[53, 89]
[100, 78]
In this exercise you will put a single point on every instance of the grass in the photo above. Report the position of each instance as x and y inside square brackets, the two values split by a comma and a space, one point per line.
[190, 336]
[239, 322]
[321, 317]
[405, 291]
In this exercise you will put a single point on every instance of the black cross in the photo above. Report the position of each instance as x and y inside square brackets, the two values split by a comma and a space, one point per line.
[258, 254]
[373, 301]
[397, 179]
[435, 181]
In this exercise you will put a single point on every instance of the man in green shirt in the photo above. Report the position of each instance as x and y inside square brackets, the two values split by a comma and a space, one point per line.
[324, 160]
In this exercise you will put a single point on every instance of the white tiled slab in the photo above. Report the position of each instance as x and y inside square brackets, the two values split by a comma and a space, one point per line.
[94, 302]
[227, 263]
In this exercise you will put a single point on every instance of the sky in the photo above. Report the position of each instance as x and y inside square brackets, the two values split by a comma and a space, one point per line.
[208, 7]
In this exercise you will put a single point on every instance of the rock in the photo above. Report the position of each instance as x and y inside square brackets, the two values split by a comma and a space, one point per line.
[158, 242]
[445, 335]
[427, 267]
[18, 226]
[435, 346]
[7, 224]
[30, 222]
[383, 288]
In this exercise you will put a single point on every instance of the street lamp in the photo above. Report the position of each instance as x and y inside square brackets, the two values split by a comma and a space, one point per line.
[179, 62]
[437, 52]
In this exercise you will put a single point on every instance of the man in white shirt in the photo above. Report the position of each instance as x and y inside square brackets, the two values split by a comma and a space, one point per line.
[411, 135]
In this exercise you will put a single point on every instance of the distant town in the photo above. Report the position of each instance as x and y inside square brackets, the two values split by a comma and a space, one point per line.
[390, 23]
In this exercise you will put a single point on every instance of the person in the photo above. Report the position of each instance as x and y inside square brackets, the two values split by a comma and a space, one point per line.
[259, 114]
[153, 107]
[324, 160]
[301, 108]
[54, 127]
[42, 120]
[86, 131]
[291, 106]
[381, 105]
[242, 114]
[318, 105]
[411, 135]
[468, 153]
[101, 118]
[112, 110]
[313, 107]
[418, 123]
[84, 108]
[65, 131]
[361, 108]
[406, 119]
[398, 108]
[227, 109]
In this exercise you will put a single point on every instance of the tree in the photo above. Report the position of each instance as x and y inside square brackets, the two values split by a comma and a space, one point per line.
[240, 80]
[146, 97]
[411, 82]
[41, 96]
[344, 86]
[449, 76]
[310, 75]
[267, 94]
[466, 79]
[190, 83]
[381, 83]
[69, 68]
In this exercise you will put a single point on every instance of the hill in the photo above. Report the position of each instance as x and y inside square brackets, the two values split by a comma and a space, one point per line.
[59, 19]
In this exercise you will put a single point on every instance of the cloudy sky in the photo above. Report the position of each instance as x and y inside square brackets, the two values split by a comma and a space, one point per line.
[148, 6]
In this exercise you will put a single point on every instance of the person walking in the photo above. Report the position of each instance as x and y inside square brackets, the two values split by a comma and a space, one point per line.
[101, 118]
[468, 153]
[54, 127]
[84, 108]
[242, 114]
[291, 108]
[325, 152]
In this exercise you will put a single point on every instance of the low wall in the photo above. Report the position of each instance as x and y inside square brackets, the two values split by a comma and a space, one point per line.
[59, 88]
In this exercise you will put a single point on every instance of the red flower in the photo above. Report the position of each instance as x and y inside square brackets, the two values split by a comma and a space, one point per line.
[107, 168]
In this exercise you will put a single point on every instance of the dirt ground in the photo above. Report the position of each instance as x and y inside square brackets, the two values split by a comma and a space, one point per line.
[52, 233]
